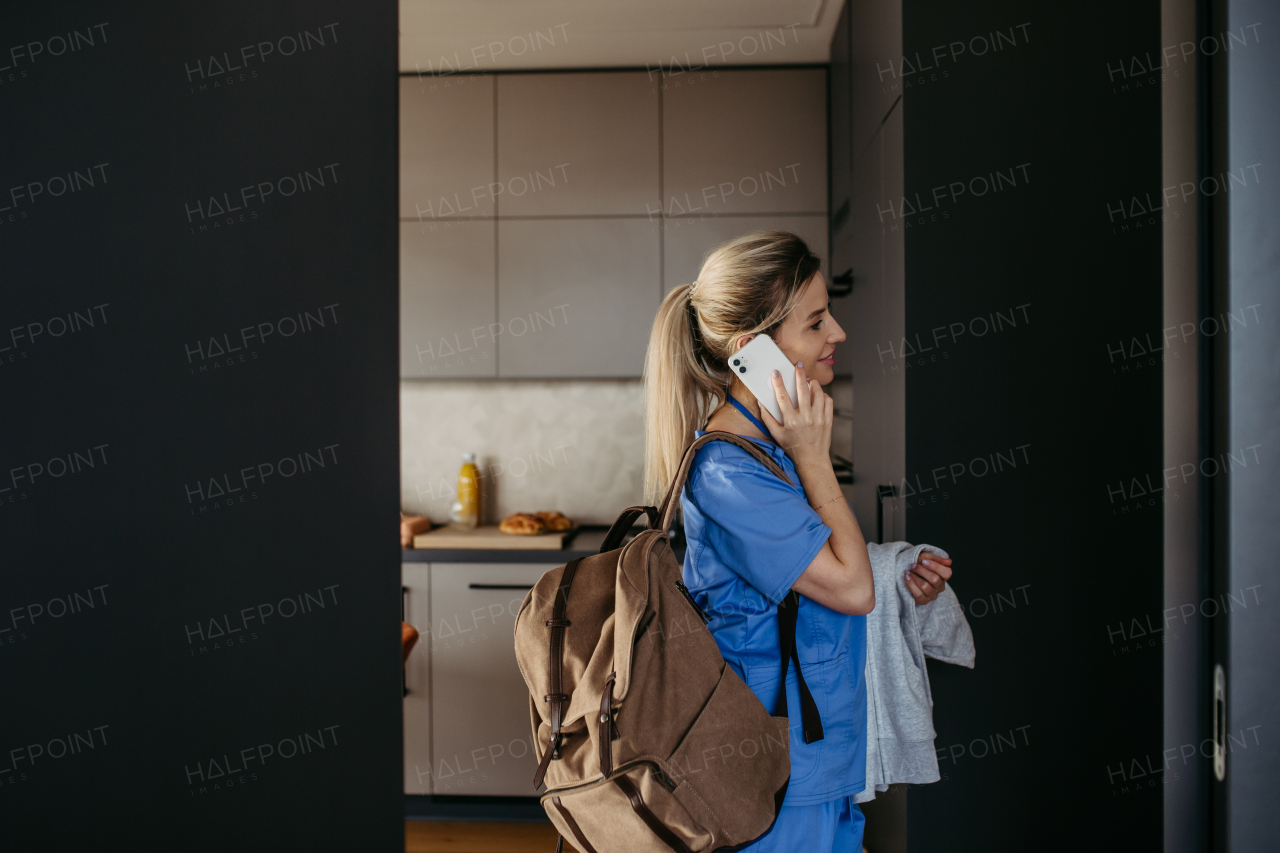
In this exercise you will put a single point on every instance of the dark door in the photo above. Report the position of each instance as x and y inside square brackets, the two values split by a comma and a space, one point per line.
[1033, 421]
[199, 584]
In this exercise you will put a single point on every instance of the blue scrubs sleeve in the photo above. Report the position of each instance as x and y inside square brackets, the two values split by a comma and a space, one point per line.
[762, 528]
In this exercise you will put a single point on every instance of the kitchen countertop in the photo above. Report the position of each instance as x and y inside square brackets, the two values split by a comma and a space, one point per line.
[586, 543]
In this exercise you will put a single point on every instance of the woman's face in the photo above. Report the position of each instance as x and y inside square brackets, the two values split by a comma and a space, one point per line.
[810, 333]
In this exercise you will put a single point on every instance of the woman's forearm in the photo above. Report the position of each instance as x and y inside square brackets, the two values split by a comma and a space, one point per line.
[855, 582]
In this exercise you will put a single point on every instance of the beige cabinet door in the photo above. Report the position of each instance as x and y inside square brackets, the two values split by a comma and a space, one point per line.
[576, 297]
[446, 147]
[746, 141]
[415, 580]
[577, 144]
[447, 297]
[481, 741]
[688, 240]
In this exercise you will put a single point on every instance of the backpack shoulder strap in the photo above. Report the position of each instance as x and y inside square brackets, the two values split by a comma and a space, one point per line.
[667, 511]
[788, 609]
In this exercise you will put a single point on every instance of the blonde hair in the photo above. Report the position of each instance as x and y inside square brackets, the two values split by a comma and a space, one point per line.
[746, 286]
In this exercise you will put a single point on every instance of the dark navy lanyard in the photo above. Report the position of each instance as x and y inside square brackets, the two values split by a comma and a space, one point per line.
[751, 417]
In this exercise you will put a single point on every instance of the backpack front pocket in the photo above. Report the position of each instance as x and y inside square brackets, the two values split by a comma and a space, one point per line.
[634, 810]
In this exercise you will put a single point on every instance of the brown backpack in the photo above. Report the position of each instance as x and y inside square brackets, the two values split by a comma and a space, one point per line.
[647, 740]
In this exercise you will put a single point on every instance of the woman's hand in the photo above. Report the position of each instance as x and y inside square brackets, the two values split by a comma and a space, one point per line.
[805, 431]
[928, 577]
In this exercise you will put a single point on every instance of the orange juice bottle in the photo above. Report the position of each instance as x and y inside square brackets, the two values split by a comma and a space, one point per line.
[465, 512]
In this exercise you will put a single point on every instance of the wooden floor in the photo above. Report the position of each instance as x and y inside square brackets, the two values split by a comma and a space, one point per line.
[432, 836]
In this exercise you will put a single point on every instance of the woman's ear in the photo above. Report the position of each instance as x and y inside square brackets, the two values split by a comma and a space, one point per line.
[742, 341]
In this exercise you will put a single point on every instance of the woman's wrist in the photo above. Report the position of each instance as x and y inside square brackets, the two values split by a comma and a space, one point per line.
[813, 463]
[818, 507]
[809, 456]
[818, 479]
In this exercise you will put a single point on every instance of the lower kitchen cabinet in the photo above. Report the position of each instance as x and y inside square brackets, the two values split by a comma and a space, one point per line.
[467, 710]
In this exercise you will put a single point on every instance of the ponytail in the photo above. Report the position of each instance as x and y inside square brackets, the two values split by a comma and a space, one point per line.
[681, 390]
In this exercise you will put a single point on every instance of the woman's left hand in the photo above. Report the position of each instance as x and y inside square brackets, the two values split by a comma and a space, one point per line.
[928, 577]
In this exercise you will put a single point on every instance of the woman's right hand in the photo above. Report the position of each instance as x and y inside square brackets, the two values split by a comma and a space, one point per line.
[805, 431]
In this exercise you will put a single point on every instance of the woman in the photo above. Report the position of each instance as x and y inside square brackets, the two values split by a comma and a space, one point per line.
[751, 537]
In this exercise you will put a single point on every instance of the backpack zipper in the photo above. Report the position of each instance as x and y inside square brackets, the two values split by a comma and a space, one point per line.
[688, 596]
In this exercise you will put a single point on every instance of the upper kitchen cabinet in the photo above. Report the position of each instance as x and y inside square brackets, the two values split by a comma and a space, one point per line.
[748, 141]
[687, 241]
[576, 297]
[447, 299]
[841, 118]
[580, 144]
[446, 147]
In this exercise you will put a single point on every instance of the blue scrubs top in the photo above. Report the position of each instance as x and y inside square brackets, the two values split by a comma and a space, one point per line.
[750, 536]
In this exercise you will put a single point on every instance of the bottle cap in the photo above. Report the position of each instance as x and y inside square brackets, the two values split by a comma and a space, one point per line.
[468, 457]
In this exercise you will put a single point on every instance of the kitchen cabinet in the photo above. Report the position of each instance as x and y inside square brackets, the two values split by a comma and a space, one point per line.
[543, 216]
[576, 297]
[746, 141]
[841, 120]
[687, 241]
[467, 727]
[577, 144]
[447, 299]
[446, 146]
[840, 92]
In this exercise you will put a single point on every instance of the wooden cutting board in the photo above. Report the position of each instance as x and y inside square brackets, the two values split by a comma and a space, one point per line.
[489, 537]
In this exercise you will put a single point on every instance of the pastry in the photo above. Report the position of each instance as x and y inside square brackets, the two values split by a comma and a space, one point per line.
[522, 524]
[411, 526]
[554, 520]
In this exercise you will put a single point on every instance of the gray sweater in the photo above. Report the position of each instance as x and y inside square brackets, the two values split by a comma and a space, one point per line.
[900, 635]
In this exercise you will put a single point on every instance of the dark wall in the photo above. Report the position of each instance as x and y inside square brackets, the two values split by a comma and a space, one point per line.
[199, 589]
[1033, 297]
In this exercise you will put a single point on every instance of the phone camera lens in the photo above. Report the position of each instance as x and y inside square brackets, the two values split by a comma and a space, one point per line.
[736, 362]
[742, 370]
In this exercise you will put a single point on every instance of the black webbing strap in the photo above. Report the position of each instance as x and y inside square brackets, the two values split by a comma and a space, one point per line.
[810, 719]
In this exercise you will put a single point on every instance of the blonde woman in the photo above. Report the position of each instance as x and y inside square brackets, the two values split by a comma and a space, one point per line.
[752, 538]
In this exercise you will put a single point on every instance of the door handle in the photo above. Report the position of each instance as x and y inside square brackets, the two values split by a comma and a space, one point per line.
[1219, 723]
[882, 492]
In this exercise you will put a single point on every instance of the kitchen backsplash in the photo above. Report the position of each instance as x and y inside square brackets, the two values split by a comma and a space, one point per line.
[575, 446]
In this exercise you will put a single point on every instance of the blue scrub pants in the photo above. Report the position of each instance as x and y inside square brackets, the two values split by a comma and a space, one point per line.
[835, 826]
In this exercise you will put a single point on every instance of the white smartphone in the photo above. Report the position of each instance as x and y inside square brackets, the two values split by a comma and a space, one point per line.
[754, 365]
